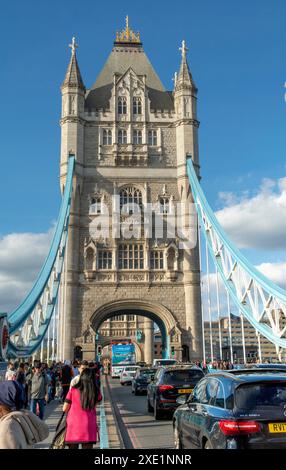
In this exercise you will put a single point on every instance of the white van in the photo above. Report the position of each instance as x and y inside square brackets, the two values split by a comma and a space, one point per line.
[164, 362]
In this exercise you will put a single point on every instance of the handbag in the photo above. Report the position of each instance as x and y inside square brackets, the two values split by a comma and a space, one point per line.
[60, 433]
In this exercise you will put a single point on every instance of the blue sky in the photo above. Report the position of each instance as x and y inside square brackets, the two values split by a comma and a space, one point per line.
[237, 52]
[237, 57]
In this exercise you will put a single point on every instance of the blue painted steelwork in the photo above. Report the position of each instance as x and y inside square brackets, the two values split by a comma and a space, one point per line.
[275, 292]
[104, 442]
[53, 266]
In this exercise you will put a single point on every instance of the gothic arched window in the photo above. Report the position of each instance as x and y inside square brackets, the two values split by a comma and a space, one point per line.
[164, 205]
[130, 197]
[107, 137]
[122, 105]
[95, 205]
[137, 137]
[122, 136]
[137, 105]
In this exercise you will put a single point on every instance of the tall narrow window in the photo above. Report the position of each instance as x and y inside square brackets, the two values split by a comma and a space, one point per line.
[152, 137]
[122, 105]
[164, 205]
[104, 259]
[137, 105]
[137, 137]
[107, 137]
[122, 136]
[95, 206]
[156, 260]
[131, 257]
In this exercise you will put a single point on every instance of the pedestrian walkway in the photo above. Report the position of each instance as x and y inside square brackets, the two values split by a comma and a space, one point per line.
[53, 413]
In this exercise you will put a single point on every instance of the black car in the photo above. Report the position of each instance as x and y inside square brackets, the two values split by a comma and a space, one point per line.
[235, 409]
[169, 383]
[267, 366]
[141, 379]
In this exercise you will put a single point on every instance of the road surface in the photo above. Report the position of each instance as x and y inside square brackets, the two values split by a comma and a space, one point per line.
[138, 428]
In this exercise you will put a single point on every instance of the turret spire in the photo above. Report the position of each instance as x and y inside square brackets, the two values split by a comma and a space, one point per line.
[73, 75]
[184, 50]
[73, 45]
[184, 79]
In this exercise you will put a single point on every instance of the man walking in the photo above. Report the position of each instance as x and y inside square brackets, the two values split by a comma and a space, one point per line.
[39, 390]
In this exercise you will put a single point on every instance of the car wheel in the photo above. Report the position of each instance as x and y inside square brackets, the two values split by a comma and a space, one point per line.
[177, 438]
[207, 445]
[150, 408]
[157, 413]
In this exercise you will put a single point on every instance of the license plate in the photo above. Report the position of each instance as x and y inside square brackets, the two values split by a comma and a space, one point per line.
[185, 390]
[277, 427]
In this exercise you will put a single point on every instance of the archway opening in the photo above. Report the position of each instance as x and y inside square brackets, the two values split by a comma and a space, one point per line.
[159, 314]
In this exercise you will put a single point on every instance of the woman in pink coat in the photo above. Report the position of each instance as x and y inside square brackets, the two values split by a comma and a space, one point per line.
[80, 404]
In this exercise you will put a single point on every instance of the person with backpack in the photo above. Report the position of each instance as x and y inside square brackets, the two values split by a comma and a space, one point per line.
[80, 404]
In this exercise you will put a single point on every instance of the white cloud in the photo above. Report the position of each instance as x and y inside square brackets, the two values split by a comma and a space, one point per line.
[21, 258]
[276, 272]
[257, 221]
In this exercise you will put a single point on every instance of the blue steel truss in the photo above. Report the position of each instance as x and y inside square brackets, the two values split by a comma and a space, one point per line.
[260, 301]
[28, 324]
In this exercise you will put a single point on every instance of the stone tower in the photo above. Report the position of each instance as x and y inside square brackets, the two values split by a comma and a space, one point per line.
[130, 137]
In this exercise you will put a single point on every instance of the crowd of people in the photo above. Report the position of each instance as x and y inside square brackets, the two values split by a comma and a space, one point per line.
[225, 365]
[27, 388]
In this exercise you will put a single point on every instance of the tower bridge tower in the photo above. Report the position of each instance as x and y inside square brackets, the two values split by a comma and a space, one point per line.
[130, 138]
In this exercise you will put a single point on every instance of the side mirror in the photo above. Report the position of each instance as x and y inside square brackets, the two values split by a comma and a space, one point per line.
[182, 400]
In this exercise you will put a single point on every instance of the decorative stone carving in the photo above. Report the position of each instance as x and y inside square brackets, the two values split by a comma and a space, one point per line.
[157, 277]
[88, 337]
[104, 277]
[136, 277]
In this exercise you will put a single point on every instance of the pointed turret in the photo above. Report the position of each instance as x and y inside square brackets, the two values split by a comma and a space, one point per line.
[73, 95]
[73, 76]
[185, 90]
[184, 80]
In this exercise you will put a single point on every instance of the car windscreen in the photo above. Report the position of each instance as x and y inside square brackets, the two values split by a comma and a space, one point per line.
[148, 372]
[130, 369]
[257, 395]
[181, 377]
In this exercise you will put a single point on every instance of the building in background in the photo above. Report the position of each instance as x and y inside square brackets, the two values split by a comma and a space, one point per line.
[252, 341]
